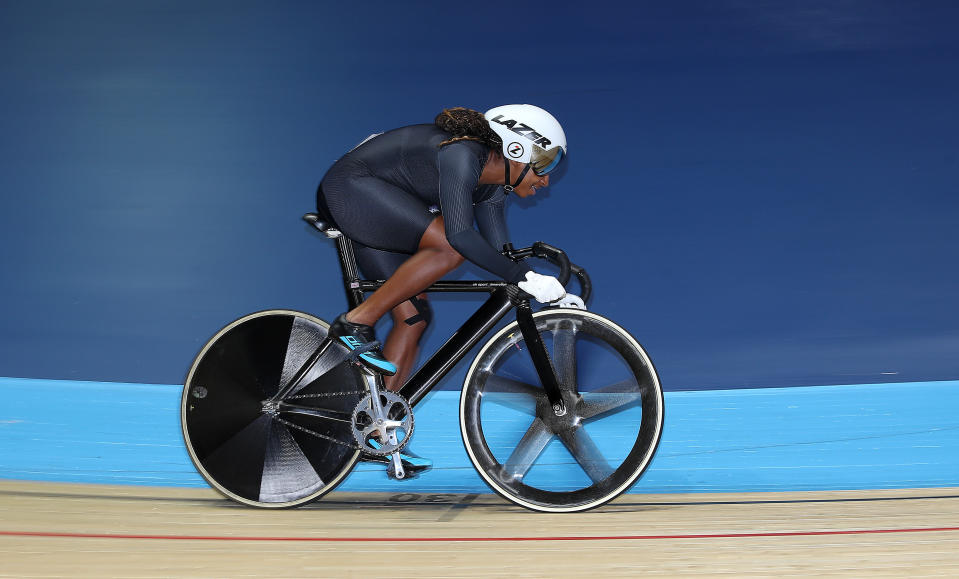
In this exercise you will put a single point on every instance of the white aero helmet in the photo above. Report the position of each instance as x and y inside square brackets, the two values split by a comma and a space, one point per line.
[530, 135]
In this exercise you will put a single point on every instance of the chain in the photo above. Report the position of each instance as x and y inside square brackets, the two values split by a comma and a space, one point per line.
[352, 446]
[317, 434]
[313, 432]
[327, 394]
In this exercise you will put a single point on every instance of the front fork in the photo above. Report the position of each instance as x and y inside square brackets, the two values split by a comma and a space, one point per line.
[541, 360]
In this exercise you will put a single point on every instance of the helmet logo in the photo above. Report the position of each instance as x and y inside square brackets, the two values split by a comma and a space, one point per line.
[515, 150]
[523, 130]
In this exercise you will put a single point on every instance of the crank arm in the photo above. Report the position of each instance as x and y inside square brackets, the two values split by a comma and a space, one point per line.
[387, 426]
[398, 471]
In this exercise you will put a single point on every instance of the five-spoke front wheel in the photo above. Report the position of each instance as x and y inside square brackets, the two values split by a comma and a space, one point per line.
[590, 454]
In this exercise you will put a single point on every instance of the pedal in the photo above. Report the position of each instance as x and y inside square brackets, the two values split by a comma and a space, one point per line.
[411, 466]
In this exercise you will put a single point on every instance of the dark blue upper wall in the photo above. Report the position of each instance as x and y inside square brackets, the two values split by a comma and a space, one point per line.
[777, 181]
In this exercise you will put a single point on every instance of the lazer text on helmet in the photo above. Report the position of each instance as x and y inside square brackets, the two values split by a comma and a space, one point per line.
[523, 130]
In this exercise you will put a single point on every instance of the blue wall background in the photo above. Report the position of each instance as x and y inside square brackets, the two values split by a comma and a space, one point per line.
[875, 436]
[765, 193]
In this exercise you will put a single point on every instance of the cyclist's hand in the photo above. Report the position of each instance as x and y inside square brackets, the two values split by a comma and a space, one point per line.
[544, 288]
[570, 301]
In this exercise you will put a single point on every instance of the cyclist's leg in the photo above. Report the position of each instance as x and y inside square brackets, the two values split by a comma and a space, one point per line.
[403, 342]
[410, 317]
[379, 215]
[434, 258]
[373, 212]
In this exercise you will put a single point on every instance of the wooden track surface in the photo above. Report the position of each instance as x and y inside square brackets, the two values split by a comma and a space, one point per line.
[67, 530]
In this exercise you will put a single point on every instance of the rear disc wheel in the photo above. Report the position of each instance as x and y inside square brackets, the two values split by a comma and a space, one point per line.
[263, 451]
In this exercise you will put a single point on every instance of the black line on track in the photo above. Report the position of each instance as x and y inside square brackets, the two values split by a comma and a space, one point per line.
[467, 501]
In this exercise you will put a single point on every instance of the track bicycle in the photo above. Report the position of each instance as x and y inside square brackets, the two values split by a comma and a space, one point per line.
[561, 409]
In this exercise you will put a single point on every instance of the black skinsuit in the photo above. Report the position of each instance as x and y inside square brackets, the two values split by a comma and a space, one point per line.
[380, 193]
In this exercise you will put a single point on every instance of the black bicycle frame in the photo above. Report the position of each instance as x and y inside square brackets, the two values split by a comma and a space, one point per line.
[503, 297]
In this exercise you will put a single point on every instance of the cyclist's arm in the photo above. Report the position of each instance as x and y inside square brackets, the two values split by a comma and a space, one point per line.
[459, 172]
[490, 215]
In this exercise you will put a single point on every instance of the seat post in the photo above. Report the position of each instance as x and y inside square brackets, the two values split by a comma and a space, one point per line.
[351, 276]
[344, 251]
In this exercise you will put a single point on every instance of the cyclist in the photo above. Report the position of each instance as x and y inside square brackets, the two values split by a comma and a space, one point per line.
[408, 200]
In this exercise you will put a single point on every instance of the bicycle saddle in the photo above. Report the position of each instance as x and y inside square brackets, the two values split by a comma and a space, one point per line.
[327, 229]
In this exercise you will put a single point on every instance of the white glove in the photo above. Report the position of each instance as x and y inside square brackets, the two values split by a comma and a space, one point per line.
[570, 301]
[545, 288]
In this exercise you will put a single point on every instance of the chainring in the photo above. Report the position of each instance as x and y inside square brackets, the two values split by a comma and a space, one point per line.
[399, 421]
